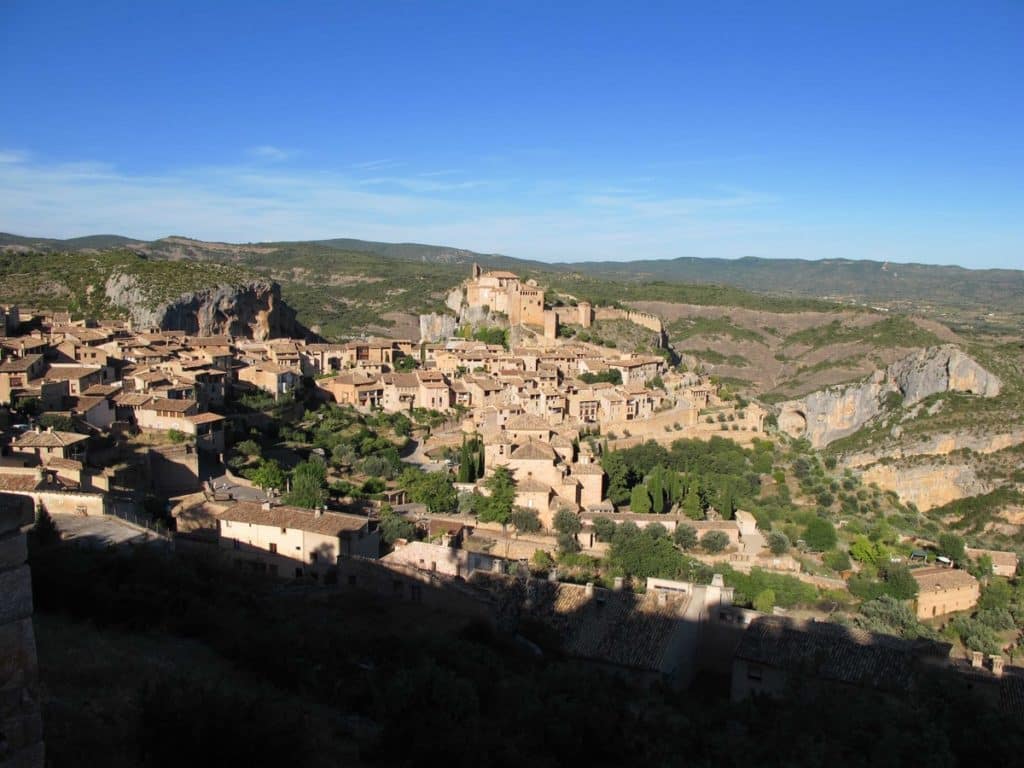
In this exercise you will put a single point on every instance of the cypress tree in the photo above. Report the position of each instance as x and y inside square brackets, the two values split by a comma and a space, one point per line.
[656, 488]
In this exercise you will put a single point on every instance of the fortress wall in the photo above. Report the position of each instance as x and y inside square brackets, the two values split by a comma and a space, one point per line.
[21, 725]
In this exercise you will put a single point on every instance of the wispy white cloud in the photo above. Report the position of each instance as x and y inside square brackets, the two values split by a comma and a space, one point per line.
[369, 165]
[546, 219]
[270, 152]
[13, 156]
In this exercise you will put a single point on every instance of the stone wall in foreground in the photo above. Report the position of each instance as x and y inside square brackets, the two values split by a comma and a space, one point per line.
[21, 727]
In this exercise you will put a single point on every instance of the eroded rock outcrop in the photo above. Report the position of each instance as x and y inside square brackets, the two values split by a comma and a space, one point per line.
[940, 445]
[252, 309]
[829, 414]
[927, 485]
[437, 327]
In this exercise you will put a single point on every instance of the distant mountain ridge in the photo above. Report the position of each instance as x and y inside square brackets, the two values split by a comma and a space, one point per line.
[863, 281]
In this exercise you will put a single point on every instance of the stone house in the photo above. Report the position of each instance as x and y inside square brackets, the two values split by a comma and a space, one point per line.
[292, 542]
[944, 590]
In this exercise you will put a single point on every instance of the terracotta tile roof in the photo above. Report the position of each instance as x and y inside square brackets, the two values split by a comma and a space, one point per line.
[283, 516]
[55, 462]
[933, 579]
[18, 483]
[20, 364]
[531, 485]
[587, 469]
[528, 422]
[533, 450]
[205, 418]
[166, 404]
[48, 439]
[132, 399]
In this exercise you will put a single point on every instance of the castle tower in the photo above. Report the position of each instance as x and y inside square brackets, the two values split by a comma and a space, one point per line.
[476, 271]
[586, 312]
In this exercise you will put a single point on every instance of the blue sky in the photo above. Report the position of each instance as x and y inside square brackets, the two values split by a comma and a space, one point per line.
[560, 132]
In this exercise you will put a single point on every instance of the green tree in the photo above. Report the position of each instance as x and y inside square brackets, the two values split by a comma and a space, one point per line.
[44, 533]
[525, 520]
[567, 522]
[621, 477]
[714, 542]
[497, 507]
[692, 505]
[820, 535]
[685, 537]
[656, 489]
[952, 546]
[309, 487]
[656, 531]
[764, 601]
[837, 560]
[899, 582]
[863, 550]
[567, 544]
[778, 543]
[604, 528]
[640, 500]
[393, 526]
[248, 448]
[726, 503]
[268, 474]
[433, 489]
[465, 472]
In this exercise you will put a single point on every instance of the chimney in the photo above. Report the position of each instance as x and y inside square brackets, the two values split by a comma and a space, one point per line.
[662, 597]
[619, 581]
[590, 589]
[49, 430]
[319, 512]
[496, 565]
[997, 665]
[265, 506]
[717, 581]
[976, 657]
[553, 575]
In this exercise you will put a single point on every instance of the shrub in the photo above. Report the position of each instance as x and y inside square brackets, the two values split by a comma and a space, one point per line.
[604, 528]
[764, 601]
[778, 543]
[820, 535]
[714, 542]
[685, 537]
[837, 560]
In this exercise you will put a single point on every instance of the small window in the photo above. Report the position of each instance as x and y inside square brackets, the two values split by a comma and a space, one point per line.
[284, 530]
[273, 547]
[237, 544]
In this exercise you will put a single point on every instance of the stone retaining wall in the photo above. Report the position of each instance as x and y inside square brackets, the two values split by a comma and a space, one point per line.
[21, 725]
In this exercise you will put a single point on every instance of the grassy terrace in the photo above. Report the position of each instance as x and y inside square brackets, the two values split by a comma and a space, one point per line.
[896, 331]
[687, 327]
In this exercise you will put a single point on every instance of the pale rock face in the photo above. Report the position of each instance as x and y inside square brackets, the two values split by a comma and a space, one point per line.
[435, 327]
[928, 485]
[251, 310]
[829, 414]
[939, 445]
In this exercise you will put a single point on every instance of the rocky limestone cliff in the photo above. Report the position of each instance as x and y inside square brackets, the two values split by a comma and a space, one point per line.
[939, 445]
[435, 327]
[927, 485]
[252, 310]
[827, 415]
